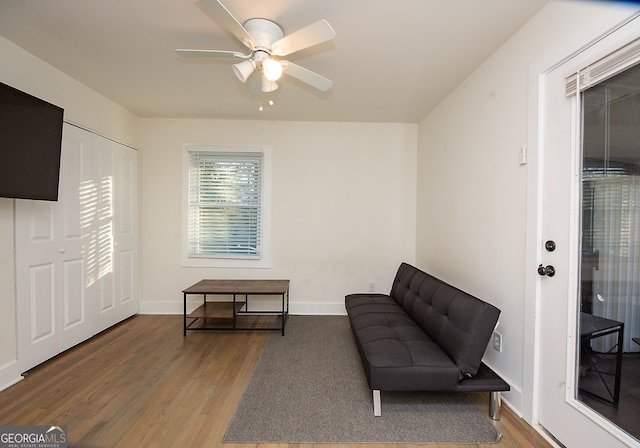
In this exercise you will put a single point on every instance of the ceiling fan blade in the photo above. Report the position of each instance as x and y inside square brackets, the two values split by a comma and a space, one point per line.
[220, 12]
[211, 54]
[306, 76]
[311, 35]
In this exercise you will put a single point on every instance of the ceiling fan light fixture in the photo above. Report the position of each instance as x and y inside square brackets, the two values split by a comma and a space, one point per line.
[243, 69]
[268, 86]
[272, 69]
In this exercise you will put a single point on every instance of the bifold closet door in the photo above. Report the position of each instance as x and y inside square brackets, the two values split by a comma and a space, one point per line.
[125, 221]
[71, 279]
[99, 235]
[51, 300]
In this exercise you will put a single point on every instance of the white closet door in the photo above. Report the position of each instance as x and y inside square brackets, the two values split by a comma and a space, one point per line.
[37, 266]
[125, 230]
[51, 304]
[74, 320]
[99, 223]
[76, 259]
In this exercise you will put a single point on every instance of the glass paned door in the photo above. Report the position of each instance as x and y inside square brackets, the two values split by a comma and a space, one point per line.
[608, 374]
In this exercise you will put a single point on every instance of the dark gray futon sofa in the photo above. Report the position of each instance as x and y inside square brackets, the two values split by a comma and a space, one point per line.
[425, 335]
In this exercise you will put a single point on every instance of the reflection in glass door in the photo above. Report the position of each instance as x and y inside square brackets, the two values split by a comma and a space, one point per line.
[608, 374]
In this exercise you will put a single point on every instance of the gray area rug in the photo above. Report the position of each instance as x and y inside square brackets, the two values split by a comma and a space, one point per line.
[309, 387]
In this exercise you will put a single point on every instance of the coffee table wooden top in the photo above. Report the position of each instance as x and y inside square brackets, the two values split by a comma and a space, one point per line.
[238, 287]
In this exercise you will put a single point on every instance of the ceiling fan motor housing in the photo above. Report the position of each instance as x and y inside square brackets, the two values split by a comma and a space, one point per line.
[264, 32]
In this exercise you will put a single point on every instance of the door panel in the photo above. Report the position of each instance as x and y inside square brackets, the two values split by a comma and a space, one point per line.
[556, 321]
[104, 229]
[35, 280]
[560, 413]
[41, 220]
[125, 225]
[73, 294]
[74, 322]
[42, 302]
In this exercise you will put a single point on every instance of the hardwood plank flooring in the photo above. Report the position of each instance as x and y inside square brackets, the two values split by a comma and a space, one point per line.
[142, 384]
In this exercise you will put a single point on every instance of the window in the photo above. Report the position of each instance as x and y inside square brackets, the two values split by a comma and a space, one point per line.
[225, 213]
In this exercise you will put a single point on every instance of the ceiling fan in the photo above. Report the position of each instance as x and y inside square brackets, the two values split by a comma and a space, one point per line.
[267, 44]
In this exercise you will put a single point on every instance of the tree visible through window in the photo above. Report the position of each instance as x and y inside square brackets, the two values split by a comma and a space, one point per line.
[225, 207]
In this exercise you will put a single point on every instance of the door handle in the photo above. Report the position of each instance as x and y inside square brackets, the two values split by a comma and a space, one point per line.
[549, 271]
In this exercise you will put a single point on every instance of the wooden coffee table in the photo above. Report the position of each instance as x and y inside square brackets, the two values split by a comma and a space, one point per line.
[223, 315]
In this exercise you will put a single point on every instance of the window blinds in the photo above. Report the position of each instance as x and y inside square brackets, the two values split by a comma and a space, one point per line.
[225, 204]
[604, 68]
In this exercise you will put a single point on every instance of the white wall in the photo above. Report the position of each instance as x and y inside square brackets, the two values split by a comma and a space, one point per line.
[343, 207]
[82, 106]
[472, 210]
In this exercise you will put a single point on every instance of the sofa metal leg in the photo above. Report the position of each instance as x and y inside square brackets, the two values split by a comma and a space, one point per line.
[377, 408]
[495, 404]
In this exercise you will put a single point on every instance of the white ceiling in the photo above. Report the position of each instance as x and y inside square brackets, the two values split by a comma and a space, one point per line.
[391, 61]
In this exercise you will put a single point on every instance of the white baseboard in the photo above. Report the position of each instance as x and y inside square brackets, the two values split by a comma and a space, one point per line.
[10, 374]
[300, 308]
[160, 308]
[514, 400]
[319, 309]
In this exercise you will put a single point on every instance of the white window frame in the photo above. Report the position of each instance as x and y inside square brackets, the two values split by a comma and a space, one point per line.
[264, 261]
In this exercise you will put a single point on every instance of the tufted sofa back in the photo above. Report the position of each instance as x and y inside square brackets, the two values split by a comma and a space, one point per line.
[458, 322]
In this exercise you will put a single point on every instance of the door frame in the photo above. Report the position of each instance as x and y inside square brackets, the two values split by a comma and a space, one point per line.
[613, 24]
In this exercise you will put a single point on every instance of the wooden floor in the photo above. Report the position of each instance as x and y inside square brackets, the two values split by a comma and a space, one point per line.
[142, 384]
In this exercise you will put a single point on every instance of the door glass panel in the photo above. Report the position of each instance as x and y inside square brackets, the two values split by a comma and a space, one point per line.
[608, 374]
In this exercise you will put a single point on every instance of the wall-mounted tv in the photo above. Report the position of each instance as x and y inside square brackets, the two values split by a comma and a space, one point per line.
[30, 146]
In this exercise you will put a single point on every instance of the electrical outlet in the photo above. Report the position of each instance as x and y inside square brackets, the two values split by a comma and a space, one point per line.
[372, 286]
[497, 341]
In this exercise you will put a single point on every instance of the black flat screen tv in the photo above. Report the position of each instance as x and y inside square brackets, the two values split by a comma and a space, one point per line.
[30, 146]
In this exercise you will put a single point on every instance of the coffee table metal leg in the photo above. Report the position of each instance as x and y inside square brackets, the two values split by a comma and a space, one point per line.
[282, 314]
[233, 318]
